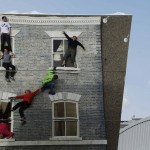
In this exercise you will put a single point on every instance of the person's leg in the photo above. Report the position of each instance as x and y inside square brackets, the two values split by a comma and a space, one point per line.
[8, 42]
[65, 58]
[17, 106]
[2, 42]
[73, 57]
[51, 87]
[6, 66]
[23, 107]
[13, 71]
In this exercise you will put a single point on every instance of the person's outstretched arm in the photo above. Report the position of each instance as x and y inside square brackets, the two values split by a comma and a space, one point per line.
[66, 35]
[81, 45]
[35, 92]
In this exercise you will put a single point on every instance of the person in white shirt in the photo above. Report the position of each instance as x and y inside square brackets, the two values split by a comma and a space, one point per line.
[5, 29]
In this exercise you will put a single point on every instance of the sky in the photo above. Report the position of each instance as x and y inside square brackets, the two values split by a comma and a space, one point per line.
[137, 83]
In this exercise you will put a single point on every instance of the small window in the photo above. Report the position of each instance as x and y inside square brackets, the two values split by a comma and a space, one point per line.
[5, 112]
[65, 119]
[12, 46]
[59, 48]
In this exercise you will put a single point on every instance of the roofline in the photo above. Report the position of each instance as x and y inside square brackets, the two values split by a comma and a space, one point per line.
[68, 15]
[134, 124]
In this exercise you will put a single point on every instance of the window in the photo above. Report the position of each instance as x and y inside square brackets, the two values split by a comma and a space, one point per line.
[12, 46]
[59, 46]
[65, 119]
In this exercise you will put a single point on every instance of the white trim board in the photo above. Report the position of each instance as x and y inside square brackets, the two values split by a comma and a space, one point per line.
[40, 143]
[53, 20]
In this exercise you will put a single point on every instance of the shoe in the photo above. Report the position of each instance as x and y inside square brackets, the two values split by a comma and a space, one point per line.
[12, 78]
[23, 122]
[8, 80]
[23, 119]
[63, 65]
[52, 93]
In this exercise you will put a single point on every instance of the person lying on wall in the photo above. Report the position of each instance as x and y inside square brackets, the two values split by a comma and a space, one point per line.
[7, 64]
[4, 125]
[4, 131]
[25, 103]
[72, 50]
[49, 81]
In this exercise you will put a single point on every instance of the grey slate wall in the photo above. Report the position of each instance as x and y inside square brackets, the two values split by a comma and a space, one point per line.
[33, 52]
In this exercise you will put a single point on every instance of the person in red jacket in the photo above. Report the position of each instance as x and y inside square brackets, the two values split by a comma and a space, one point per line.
[27, 100]
[4, 132]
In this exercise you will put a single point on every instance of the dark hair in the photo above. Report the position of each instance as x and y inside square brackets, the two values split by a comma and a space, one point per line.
[28, 90]
[55, 77]
[4, 17]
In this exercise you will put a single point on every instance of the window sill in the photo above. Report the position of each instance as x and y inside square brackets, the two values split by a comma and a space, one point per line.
[66, 139]
[7, 140]
[67, 69]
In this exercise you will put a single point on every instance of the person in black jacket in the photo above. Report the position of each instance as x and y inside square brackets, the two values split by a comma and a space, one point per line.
[71, 51]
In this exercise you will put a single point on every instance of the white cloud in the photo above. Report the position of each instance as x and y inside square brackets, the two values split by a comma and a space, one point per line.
[17, 12]
[125, 98]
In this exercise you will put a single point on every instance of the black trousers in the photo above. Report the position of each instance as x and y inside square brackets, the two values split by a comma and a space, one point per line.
[70, 53]
[23, 106]
[5, 38]
[9, 72]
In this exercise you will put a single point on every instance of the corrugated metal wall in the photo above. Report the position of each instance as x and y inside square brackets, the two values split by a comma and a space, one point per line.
[135, 136]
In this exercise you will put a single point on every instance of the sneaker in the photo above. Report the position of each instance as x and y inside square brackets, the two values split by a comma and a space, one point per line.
[23, 122]
[52, 92]
[8, 80]
[23, 119]
[12, 78]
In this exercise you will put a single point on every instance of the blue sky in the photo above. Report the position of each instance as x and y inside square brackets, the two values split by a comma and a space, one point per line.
[137, 86]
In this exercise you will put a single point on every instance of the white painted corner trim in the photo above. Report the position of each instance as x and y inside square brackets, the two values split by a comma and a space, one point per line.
[53, 20]
[65, 96]
[14, 32]
[40, 143]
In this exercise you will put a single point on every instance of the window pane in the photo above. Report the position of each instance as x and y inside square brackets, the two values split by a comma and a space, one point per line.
[58, 46]
[5, 110]
[59, 128]
[71, 109]
[71, 128]
[59, 109]
[65, 45]
[57, 59]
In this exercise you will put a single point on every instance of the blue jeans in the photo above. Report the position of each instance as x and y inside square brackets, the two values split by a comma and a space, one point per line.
[50, 86]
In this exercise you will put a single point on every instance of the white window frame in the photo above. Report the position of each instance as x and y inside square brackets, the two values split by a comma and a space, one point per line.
[64, 119]
[12, 38]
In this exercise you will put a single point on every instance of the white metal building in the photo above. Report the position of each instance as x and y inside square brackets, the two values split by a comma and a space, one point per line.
[135, 136]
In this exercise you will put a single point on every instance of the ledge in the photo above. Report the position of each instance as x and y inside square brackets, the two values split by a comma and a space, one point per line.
[6, 140]
[66, 139]
[67, 70]
[53, 142]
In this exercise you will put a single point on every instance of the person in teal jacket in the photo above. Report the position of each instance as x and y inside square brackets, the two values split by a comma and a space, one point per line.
[49, 81]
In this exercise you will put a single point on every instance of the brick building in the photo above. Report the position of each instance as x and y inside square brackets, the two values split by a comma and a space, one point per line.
[83, 112]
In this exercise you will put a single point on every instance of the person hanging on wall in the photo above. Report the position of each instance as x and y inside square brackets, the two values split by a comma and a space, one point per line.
[71, 51]
[5, 30]
[49, 81]
[4, 119]
[4, 131]
[7, 64]
[23, 105]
